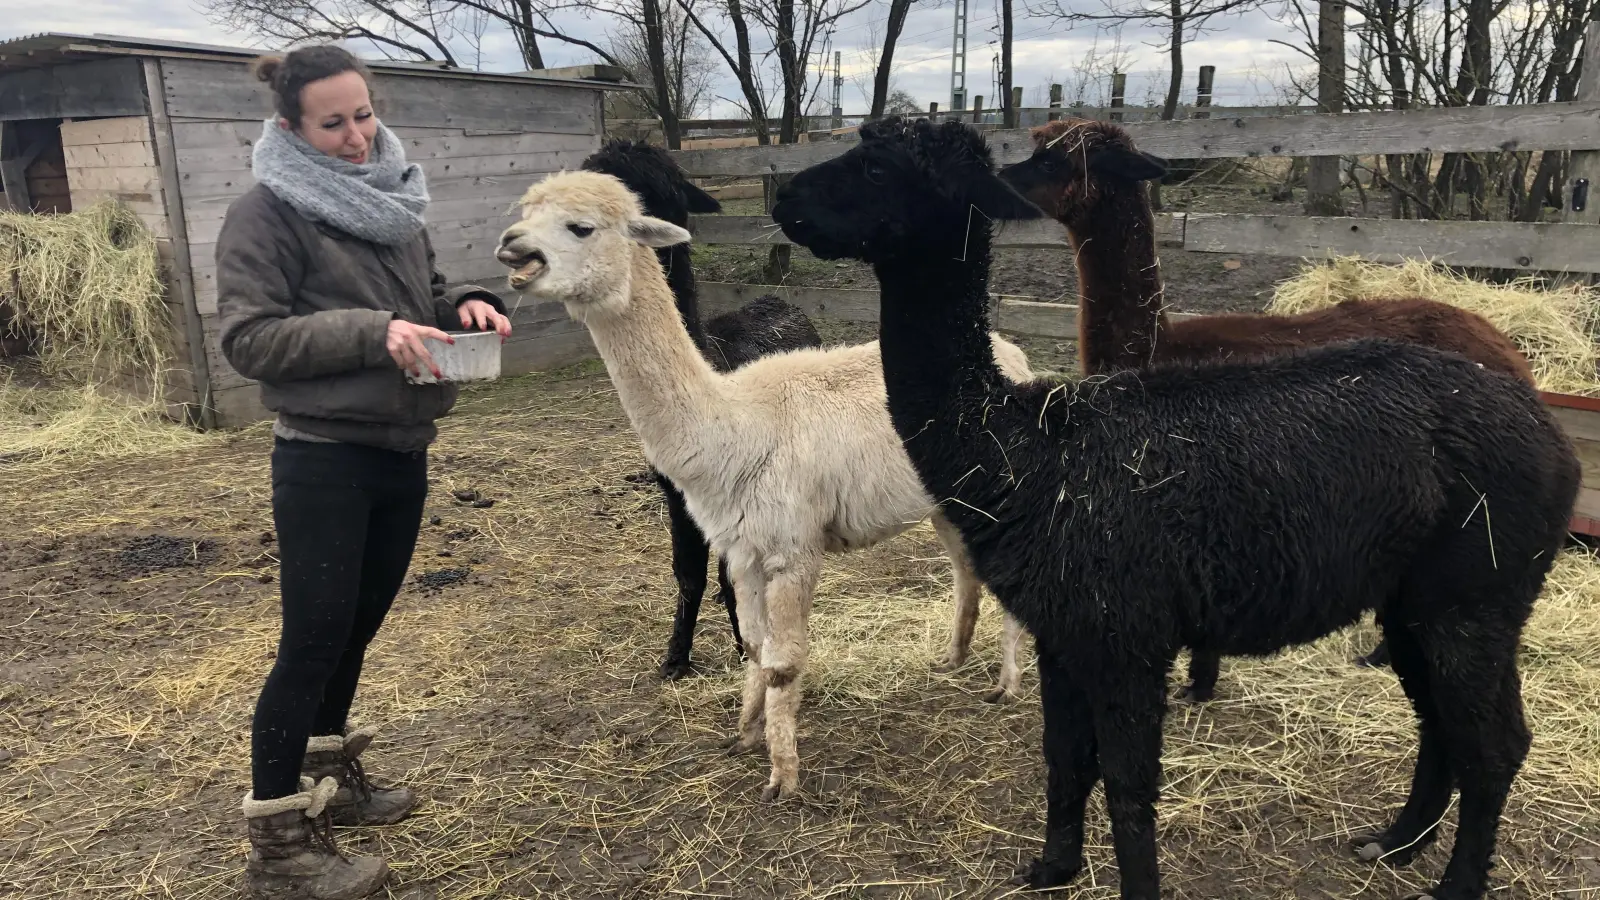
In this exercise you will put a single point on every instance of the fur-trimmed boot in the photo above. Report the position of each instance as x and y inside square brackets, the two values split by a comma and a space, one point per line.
[292, 853]
[359, 801]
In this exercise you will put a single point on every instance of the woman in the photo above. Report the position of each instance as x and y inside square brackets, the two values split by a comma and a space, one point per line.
[326, 292]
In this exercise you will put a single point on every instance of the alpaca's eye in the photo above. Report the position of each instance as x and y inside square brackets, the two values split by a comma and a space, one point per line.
[1047, 164]
[581, 230]
[874, 171]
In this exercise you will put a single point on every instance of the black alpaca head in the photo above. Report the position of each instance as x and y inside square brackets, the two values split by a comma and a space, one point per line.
[905, 189]
[650, 172]
[1076, 163]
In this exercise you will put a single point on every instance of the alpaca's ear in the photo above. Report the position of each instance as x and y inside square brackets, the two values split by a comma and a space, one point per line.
[699, 201]
[997, 200]
[653, 232]
[1125, 162]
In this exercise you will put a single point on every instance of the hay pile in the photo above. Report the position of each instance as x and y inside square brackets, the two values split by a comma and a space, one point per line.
[1555, 329]
[86, 287]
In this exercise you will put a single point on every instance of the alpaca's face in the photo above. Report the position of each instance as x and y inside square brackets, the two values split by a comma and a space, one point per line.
[576, 238]
[1075, 164]
[903, 192]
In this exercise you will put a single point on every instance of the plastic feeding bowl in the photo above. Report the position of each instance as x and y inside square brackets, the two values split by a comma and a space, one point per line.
[475, 356]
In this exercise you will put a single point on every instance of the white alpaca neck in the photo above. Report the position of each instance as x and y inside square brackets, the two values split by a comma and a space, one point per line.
[667, 388]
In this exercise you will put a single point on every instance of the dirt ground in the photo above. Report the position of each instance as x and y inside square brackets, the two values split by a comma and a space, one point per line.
[516, 685]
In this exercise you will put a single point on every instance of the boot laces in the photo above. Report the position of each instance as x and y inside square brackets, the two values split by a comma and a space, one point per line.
[322, 835]
[356, 778]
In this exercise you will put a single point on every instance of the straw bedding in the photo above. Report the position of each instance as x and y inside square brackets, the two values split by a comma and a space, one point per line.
[520, 699]
[1555, 328]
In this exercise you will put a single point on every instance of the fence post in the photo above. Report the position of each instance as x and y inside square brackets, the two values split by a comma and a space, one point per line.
[1055, 102]
[1202, 94]
[1016, 108]
[777, 271]
[977, 109]
[1119, 91]
[1583, 169]
[933, 111]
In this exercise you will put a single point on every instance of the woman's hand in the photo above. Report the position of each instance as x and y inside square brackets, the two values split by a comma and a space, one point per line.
[405, 346]
[478, 314]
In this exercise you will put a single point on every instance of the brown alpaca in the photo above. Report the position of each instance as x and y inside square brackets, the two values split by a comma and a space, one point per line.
[1088, 175]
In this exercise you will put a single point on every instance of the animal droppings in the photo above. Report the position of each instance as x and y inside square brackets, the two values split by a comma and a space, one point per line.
[156, 552]
[482, 504]
[439, 579]
[466, 496]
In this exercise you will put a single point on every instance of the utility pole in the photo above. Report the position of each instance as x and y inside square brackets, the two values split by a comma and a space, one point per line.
[838, 86]
[958, 60]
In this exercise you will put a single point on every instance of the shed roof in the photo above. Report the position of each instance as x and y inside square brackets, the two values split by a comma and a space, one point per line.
[54, 48]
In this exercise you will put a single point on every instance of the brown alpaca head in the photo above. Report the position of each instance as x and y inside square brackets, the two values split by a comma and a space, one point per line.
[1076, 164]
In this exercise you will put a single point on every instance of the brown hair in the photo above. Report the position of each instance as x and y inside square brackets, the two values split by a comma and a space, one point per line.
[288, 75]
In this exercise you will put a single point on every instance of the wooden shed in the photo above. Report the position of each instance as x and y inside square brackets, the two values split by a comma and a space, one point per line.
[167, 129]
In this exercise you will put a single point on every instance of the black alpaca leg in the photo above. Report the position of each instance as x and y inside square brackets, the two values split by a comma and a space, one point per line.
[1129, 704]
[1072, 767]
[1431, 783]
[1378, 658]
[726, 595]
[1204, 666]
[689, 557]
[1486, 737]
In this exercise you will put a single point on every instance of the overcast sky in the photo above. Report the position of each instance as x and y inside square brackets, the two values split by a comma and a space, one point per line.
[1250, 69]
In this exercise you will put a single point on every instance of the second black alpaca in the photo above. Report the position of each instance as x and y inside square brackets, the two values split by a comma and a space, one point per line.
[1244, 507]
[761, 327]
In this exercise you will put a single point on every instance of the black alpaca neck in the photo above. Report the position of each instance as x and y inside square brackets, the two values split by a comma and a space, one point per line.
[1119, 281]
[937, 356]
[676, 266]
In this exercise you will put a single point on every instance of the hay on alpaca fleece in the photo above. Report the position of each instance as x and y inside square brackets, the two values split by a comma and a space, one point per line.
[1554, 328]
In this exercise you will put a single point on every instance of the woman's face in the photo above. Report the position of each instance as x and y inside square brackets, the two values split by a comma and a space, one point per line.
[336, 116]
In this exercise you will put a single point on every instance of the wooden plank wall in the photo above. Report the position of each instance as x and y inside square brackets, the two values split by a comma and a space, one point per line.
[480, 142]
[115, 159]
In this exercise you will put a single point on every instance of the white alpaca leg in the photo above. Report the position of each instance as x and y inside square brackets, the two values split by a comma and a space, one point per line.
[783, 660]
[968, 591]
[750, 590]
[1010, 686]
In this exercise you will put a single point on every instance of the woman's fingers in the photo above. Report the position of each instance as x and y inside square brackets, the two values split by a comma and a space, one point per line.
[420, 351]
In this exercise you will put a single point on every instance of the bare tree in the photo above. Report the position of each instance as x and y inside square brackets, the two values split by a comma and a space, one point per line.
[1183, 21]
[657, 43]
[419, 29]
[1007, 32]
[741, 61]
[796, 30]
[1323, 175]
[898, 9]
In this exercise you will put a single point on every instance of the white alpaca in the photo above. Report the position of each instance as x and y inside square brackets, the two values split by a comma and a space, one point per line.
[780, 461]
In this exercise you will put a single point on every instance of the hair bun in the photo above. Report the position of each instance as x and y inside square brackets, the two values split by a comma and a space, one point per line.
[266, 68]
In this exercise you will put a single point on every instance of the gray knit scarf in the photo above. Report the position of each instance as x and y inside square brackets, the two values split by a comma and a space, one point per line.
[381, 200]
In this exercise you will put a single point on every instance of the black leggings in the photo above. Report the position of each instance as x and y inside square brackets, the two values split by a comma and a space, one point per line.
[347, 519]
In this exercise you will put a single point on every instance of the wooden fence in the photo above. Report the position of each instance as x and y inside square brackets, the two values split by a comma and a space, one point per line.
[1571, 246]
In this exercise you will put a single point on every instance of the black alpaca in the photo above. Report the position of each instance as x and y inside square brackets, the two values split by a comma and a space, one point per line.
[1244, 507]
[763, 326]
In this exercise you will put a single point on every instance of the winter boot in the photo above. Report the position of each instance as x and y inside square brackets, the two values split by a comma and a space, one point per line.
[359, 801]
[292, 853]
